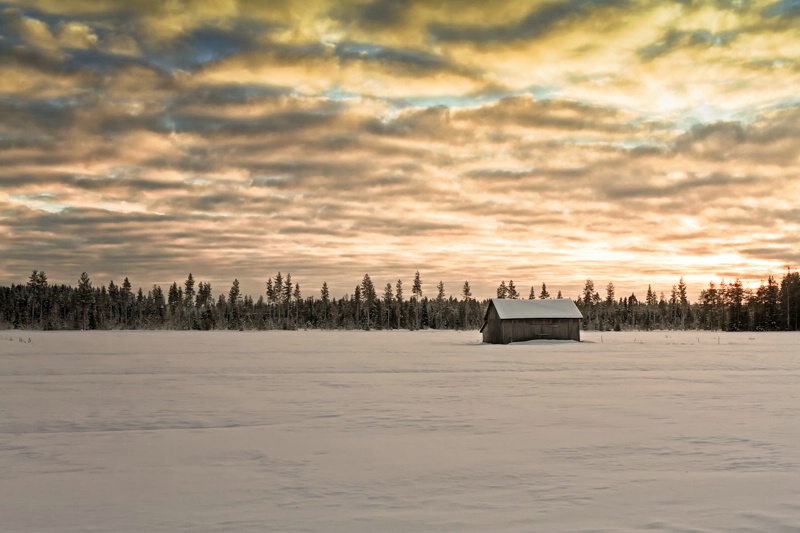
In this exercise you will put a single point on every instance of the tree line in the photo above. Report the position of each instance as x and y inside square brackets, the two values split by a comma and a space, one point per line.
[723, 306]
[192, 305]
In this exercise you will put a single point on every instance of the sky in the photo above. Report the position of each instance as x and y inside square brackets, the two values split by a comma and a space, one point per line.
[631, 142]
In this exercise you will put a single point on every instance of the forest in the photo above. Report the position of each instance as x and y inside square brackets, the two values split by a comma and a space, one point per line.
[39, 305]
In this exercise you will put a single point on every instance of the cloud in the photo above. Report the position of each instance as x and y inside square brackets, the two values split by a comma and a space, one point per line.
[537, 23]
[674, 40]
[785, 8]
[466, 141]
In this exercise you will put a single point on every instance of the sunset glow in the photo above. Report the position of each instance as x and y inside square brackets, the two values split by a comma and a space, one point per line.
[627, 141]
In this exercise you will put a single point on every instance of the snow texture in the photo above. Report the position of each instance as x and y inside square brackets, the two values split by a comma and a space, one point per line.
[398, 432]
[520, 309]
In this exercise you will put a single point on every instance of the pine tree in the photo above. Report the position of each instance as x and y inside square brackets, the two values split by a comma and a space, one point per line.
[188, 292]
[37, 285]
[790, 298]
[387, 302]
[326, 300]
[157, 311]
[113, 295]
[298, 301]
[610, 318]
[440, 295]
[174, 300]
[277, 287]
[85, 297]
[512, 291]
[466, 293]
[588, 292]
[369, 296]
[125, 297]
[31, 300]
[286, 296]
[502, 290]
[683, 301]
[271, 300]
[709, 299]
[544, 295]
[559, 297]
[234, 304]
[736, 300]
[610, 290]
[357, 304]
[416, 290]
[532, 294]
[440, 302]
[398, 298]
[652, 302]
[589, 298]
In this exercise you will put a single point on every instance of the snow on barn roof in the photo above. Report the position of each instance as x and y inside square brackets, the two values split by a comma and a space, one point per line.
[511, 309]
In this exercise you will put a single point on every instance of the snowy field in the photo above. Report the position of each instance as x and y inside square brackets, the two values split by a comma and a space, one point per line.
[398, 432]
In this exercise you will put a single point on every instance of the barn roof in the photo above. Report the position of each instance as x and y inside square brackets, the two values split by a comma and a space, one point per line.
[517, 309]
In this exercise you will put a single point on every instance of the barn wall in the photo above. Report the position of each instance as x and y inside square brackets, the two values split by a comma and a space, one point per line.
[505, 331]
[493, 331]
[499, 331]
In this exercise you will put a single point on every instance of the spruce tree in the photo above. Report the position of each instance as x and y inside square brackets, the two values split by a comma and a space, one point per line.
[512, 290]
[369, 296]
[188, 291]
[326, 300]
[466, 292]
[387, 301]
[416, 290]
[126, 296]
[234, 296]
[398, 298]
[544, 295]
[502, 290]
[85, 297]
[298, 301]
[286, 296]
[684, 301]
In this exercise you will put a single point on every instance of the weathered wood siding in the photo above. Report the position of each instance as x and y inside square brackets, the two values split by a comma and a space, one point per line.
[493, 330]
[499, 331]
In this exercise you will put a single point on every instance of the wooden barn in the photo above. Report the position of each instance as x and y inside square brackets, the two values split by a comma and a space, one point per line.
[524, 320]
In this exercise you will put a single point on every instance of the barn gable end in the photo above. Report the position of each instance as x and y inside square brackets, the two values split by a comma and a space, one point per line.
[523, 320]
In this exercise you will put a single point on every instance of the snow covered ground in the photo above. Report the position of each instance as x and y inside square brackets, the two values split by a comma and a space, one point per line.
[398, 431]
